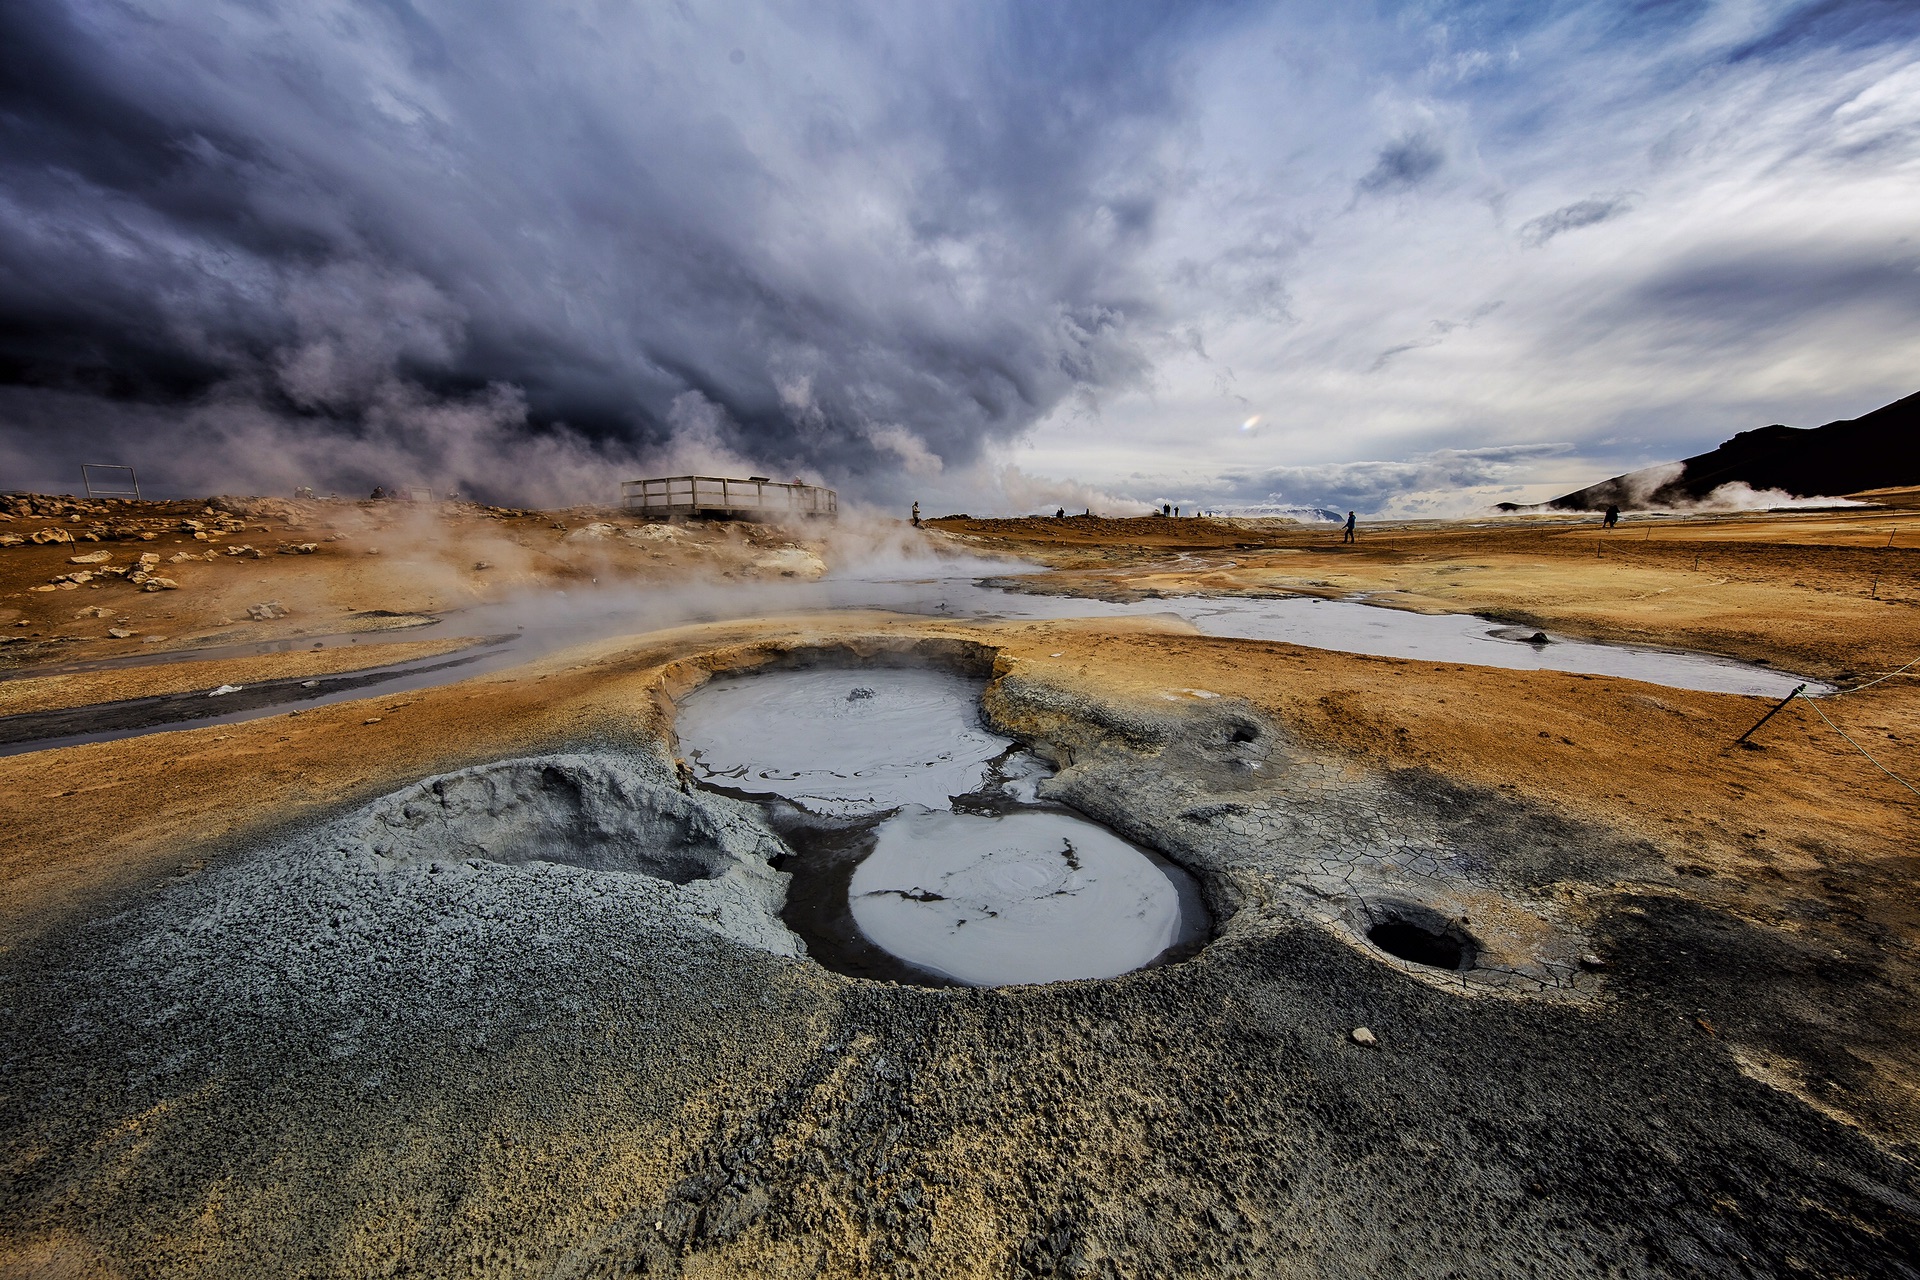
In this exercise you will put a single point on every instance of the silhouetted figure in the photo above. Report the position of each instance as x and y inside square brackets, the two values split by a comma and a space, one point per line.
[1061, 514]
[916, 515]
[1612, 516]
[1349, 528]
[379, 492]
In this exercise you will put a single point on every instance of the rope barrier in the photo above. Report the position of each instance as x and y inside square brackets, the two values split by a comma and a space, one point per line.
[1857, 747]
[1841, 693]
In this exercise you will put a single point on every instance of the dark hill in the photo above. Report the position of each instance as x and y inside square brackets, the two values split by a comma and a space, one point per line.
[1874, 451]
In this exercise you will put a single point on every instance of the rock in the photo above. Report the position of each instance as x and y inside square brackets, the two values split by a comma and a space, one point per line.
[267, 611]
[159, 584]
[225, 688]
[478, 565]
[371, 720]
[91, 557]
[592, 532]
[1591, 961]
[11, 540]
[655, 533]
[94, 611]
[121, 633]
[43, 588]
[148, 537]
[793, 562]
[299, 548]
[46, 536]
[1362, 1036]
[178, 556]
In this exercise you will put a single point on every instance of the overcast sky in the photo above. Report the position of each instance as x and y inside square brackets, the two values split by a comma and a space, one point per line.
[1405, 258]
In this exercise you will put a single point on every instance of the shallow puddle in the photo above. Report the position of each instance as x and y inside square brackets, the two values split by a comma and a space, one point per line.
[922, 851]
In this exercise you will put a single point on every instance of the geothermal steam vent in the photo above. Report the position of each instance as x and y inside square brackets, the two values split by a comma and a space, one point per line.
[923, 850]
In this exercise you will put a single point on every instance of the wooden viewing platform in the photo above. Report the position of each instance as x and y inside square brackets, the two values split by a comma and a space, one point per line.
[720, 498]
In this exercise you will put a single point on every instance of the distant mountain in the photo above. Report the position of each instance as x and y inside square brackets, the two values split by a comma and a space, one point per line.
[1874, 451]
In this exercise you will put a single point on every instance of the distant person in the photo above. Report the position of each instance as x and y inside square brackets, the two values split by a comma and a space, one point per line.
[379, 492]
[916, 515]
[1612, 517]
[1349, 527]
[1061, 514]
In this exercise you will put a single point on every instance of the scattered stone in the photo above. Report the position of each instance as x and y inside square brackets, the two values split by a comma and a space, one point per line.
[371, 720]
[225, 688]
[1362, 1036]
[121, 633]
[159, 584]
[267, 611]
[299, 548]
[46, 536]
[178, 556]
[1591, 961]
[94, 611]
[591, 532]
[478, 565]
[149, 558]
[91, 557]
[43, 588]
[11, 540]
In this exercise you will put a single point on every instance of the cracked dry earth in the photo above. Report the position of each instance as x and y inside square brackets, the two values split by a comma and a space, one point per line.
[537, 1014]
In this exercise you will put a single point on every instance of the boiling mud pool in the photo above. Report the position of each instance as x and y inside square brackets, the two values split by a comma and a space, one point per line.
[922, 850]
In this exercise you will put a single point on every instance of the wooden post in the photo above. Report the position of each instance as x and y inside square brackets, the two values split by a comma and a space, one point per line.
[1739, 741]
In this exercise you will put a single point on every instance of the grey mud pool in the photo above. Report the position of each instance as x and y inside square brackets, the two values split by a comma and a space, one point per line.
[921, 833]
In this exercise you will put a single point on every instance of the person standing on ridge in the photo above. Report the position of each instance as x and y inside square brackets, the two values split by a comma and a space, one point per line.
[916, 515]
[1349, 528]
[1612, 517]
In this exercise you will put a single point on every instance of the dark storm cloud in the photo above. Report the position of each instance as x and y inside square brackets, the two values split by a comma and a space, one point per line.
[1373, 486]
[1581, 213]
[1737, 298]
[862, 243]
[1403, 164]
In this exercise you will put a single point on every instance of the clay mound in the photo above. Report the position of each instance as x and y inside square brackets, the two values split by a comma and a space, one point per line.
[1876, 450]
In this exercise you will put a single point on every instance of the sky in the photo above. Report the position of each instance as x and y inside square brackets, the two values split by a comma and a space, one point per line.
[1409, 259]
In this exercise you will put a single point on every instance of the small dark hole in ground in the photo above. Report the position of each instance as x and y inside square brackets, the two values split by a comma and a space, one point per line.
[1437, 947]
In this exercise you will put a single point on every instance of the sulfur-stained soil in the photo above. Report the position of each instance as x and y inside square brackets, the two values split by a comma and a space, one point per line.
[248, 1032]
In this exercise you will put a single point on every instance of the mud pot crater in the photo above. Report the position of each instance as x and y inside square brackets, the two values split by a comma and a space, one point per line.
[923, 850]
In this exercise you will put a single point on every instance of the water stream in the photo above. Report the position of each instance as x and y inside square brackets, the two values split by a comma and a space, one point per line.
[522, 630]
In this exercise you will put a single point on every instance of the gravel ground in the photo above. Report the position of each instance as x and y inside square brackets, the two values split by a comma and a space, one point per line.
[396, 1045]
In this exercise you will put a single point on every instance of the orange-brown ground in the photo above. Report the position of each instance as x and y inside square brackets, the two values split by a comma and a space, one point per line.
[1803, 836]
